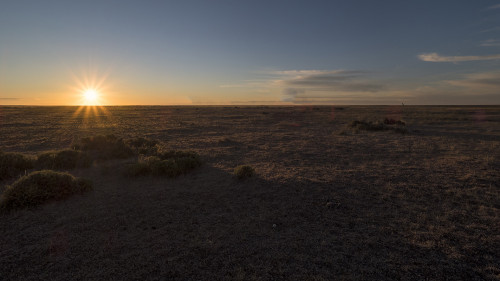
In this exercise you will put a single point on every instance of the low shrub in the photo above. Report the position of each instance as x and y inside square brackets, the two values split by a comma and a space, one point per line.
[368, 126]
[13, 164]
[104, 147]
[64, 159]
[144, 146]
[244, 171]
[390, 121]
[40, 187]
[380, 126]
[170, 164]
[168, 168]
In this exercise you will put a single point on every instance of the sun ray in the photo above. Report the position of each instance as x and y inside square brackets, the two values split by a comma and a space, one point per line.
[87, 112]
[77, 112]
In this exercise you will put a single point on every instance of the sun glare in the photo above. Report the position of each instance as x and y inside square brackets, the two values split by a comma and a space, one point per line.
[90, 93]
[91, 97]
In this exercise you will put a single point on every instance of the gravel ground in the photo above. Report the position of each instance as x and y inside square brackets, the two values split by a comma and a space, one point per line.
[328, 202]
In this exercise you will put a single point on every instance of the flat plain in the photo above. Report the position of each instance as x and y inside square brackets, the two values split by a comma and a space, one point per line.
[328, 202]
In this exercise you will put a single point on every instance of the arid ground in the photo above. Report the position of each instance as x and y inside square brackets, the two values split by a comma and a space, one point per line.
[328, 202]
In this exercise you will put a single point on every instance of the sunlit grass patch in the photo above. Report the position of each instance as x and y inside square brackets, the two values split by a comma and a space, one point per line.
[64, 159]
[13, 164]
[104, 147]
[244, 171]
[41, 186]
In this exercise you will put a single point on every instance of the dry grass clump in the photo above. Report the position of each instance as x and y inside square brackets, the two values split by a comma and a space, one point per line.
[41, 186]
[64, 159]
[104, 147]
[13, 164]
[244, 171]
[170, 164]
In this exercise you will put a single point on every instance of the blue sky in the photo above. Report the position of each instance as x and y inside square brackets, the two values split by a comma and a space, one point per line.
[250, 52]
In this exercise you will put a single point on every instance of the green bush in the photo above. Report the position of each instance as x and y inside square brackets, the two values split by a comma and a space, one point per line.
[105, 147]
[41, 186]
[64, 159]
[13, 164]
[244, 171]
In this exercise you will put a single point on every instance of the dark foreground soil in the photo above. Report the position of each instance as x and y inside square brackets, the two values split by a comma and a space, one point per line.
[327, 203]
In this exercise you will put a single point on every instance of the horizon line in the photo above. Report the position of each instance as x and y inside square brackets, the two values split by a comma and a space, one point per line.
[246, 105]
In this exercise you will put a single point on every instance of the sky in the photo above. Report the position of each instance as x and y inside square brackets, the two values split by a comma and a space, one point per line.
[250, 52]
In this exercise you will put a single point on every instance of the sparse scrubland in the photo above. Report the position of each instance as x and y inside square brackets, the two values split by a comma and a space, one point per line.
[342, 193]
[43, 186]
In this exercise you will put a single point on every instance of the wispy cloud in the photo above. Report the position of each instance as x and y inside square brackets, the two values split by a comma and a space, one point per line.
[497, 28]
[472, 88]
[491, 43]
[497, 6]
[434, 57]
[291, 94]
[299, 85]
[9, 98]
[333, 80]
[301, 73]
[360, 87]
[487, 81]
[246, 84]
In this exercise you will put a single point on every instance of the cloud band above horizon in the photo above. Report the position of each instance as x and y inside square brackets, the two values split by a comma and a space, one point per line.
[434, 57]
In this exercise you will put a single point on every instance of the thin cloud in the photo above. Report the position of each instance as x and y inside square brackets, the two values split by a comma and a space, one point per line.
[497, 6]
[9, 98]
[497, 28]
[303, 85]
[489, 81]
[335, 80]
[434, 57]
[247, 84]
[491, 43]
[318, 72]
[290, 94]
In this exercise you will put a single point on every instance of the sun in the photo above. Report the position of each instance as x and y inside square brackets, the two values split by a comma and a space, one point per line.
[91, 97]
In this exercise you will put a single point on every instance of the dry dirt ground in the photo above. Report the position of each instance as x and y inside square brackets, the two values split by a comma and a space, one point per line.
[328, 202]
